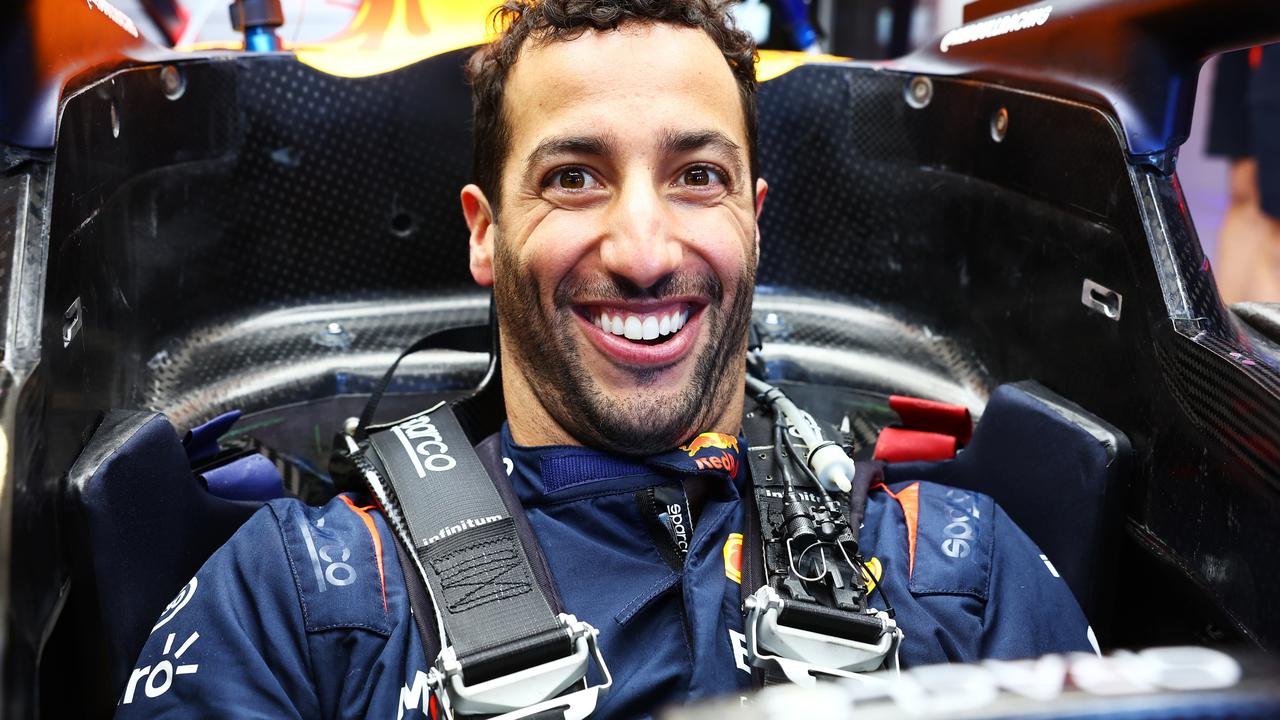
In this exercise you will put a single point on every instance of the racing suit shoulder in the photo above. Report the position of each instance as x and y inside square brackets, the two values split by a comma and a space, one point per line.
[337, 557]
[231, 638]
[290, 618]
[967, 583]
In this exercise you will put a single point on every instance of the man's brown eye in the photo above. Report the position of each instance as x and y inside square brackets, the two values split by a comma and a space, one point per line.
[572, 180]
[697, 176]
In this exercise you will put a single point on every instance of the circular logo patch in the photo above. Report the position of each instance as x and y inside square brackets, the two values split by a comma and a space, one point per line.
[179, 602]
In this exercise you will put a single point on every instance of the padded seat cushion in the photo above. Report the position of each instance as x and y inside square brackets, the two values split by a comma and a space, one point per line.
[1058, 471]
[150, 525]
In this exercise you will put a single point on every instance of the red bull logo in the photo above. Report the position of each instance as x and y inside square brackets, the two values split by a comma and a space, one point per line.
[727, 462]
[733, 558]
[713, 440]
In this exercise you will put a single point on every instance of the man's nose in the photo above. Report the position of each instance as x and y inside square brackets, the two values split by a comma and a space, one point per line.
[642, 243]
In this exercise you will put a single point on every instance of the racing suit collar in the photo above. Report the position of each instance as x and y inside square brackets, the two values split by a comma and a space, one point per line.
[543, 472]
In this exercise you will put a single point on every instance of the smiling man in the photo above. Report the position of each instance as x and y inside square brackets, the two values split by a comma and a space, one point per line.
[615, 216]
[616, 219]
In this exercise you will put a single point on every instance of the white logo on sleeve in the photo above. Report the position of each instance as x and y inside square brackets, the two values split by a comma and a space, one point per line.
[739, 643]
[416, 696]
[176, 604]
[1053, 570]
[329, 562]
[157, 679]
[960, 532]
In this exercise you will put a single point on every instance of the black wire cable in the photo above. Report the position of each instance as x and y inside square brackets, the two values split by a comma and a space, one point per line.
[788, 483]
[888, 606]
[791, 450]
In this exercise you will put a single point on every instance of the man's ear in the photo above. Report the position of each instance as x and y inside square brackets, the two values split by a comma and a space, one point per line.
[480, 221]
[762, 189]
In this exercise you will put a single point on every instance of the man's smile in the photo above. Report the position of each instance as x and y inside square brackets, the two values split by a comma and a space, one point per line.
[642, 335]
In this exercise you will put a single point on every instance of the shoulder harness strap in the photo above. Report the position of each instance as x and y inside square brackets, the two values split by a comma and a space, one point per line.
[807, 611]
[505, 648]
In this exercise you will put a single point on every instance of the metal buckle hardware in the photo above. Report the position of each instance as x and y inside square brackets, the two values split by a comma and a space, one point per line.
[528, 691]
[798, 654]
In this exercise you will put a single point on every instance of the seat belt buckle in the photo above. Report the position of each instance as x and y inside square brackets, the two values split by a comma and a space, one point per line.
[529, 691]
[803, 654]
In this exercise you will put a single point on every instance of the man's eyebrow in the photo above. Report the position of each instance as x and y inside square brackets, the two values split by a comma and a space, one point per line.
[675, 143]
[590, 145]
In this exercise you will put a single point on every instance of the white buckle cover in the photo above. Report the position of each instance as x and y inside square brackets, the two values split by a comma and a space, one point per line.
[529, 691]
[799, 654]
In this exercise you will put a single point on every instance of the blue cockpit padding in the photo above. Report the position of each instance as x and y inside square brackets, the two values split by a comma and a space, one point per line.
[149, 525]
[1057, 471]
[252, 477]
[201, 443]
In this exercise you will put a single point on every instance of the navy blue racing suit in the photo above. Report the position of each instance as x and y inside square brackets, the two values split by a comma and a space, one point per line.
[304, 612]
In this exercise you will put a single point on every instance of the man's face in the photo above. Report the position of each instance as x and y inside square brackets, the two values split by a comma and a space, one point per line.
[623, 254]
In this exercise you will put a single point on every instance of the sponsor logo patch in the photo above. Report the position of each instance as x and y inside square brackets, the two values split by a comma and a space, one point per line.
[328, 562]
[871, 570]
[960, 532]
[176, 604]
[459, 527]
[424, 446]
[679, 533]
[997, 26]
[739, 643]
[155, 680]
[714, 440]
[727, 462]
[733, 557]
[417, 696]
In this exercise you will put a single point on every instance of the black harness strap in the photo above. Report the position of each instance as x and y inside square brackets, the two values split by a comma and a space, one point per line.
[424, 614]
[482, 585]
[488, 587]
[765, 556]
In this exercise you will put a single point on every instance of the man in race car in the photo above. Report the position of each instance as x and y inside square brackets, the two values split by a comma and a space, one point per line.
[615, 216]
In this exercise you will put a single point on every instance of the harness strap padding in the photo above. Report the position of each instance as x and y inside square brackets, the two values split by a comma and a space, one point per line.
[829, 621]
[767, 486]
[764, 557]
[903, 445]
[933, 416]
[494, 612]
[757, 426]
[490, 453]
[752, 555]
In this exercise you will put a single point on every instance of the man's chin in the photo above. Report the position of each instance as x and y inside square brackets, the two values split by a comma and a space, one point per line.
[640, 383]
[638, 422]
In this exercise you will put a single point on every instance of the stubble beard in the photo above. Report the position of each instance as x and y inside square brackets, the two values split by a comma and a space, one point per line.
[543, 347]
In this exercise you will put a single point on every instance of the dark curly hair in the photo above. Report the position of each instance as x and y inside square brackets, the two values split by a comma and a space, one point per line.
[547, 21]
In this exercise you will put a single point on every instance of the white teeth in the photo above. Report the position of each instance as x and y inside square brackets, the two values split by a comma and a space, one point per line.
[642, 327]
[635, 331]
